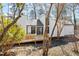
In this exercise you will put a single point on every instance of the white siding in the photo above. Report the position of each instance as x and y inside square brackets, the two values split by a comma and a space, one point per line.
[51, 25]
[67, 29]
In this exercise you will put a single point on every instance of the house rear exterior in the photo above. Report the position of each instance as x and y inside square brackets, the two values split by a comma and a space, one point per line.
[37, 26]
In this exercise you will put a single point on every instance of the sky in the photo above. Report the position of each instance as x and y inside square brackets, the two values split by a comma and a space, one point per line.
[5, 10]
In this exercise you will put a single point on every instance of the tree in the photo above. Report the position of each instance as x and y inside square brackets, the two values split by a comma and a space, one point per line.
[75, 27]
[35, 11]
[20, 8]
[59, 11]
[14, 35]
[46, 38]
[73, 8]
[5, 30]
[1, 16]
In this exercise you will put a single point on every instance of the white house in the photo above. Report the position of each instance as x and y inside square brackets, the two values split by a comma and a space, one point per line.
[37, 27]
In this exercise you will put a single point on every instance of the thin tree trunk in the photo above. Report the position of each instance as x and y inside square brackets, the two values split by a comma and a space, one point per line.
[2, 19]
[46, 38]
[75, 27]
[35, 11]
[35, 19]
[59, 30]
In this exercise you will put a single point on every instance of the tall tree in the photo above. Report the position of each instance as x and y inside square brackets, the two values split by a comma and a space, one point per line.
[75, 27]
[34, 10]
[46, 38]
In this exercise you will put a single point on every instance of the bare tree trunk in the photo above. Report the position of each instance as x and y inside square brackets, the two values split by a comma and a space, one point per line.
[2, 19]
[46, 38]
[75, 27]
[35, 19]
[58, 29]
[35, 11]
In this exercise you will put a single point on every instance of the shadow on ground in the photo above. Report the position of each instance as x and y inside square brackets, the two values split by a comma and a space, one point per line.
[55, 42]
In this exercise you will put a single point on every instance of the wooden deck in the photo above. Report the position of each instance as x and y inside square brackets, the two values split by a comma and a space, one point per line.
[31, 40]
[35, 39]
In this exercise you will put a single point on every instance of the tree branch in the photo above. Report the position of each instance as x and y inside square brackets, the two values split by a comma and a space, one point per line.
[11, 24]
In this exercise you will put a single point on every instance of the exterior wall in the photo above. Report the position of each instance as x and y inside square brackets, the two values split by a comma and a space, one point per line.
[51, 25]
[67, 29]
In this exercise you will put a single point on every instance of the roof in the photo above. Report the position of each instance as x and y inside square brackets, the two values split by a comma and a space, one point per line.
[31, 22]
[39, 23]
[24, 21]
[68, 22]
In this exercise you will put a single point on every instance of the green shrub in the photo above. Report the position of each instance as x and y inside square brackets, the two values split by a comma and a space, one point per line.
[14, 34]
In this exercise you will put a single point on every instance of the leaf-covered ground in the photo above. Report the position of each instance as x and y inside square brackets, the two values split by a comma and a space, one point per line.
[62, 50]
[63, 47]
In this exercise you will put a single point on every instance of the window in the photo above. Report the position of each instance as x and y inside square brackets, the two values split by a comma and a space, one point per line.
[39, 30]
[32, 29]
